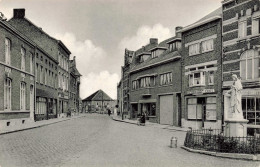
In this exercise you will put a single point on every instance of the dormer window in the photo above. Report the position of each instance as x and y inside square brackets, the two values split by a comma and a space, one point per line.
[154, 54]
[174, 46]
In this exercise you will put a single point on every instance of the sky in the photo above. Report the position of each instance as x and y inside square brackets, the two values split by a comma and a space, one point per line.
[98, 31]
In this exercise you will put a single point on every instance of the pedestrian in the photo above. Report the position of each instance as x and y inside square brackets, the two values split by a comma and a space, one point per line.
[108, 111]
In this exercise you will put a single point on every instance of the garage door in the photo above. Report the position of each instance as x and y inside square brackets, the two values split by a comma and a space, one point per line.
[166, 109]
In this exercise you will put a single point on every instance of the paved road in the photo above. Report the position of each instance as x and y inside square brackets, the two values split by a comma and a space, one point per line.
[96, 141]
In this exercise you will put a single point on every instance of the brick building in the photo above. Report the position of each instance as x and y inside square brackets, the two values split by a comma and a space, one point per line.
[98, 102]
[57, 50]
[155, 79]
[201, 83]
[74, 87]
[17, 82]
[125, 83]
[241, 50]
[119, 97]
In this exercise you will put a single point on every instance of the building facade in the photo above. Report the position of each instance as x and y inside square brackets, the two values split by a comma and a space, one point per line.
[201, 83]
[53, 47]
[17, 82]
[74, 102]
[98, 102]
[241, 50]
[125, 83]
[119, 97]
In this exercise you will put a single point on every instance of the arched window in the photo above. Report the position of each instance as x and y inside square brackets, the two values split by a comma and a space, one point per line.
[249, 65]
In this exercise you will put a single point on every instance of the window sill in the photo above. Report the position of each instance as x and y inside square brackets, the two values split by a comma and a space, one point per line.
[165, 85]
[208, 51]
[194, 54]
[197, 86]
[14, 111]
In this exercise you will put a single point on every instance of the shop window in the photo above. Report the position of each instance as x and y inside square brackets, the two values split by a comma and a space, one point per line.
[194, 49]
[207, 45]
[249, 65]
[202, 108]
[251, 109]
[7, 94]
[149, 109]
[41, 106]
[166, 79]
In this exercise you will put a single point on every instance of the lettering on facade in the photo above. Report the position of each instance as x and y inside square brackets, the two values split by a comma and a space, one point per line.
[250, 92]
[202, 91]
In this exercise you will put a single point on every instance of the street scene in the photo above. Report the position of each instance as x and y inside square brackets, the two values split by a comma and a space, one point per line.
[97, 140]
[129, 83]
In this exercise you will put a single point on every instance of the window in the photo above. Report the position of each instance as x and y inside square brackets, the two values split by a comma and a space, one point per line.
[207, 45]
[197, 79]
[251, 109]
[134, 85]
[7, 94]
[36, 73]
[154, 54]
[166, 78]
[242, 29]
[7, 51]
[149, 109]
[178, 45]
[22, 95]
[145, 82]
[46, 77]
[196, 109]
[41, 75]
[22, 59]
[141, 59]
[31, 63]
[249, 65]
[256, 26]
[172, 47]
[194, 49]
[211, 78]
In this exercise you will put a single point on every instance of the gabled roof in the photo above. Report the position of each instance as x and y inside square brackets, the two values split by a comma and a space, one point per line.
[99, 95]
[216, 14]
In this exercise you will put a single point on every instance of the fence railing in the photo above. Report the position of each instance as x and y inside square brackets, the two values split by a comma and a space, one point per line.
[213, 140]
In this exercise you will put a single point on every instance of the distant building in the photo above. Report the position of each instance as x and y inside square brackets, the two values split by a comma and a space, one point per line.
[155, 79]
[98, 102]
[201, 83]
[241, 52]
[119, 97]
[17, 76]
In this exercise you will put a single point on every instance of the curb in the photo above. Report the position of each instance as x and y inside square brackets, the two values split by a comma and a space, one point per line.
[124, 121]
[249, 157]
[37, 126]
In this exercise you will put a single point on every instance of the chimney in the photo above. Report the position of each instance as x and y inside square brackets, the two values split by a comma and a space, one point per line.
[153, 41]
[19, 13]
[178, 34]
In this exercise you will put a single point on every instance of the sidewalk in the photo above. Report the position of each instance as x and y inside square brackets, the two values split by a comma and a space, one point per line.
[147, 123]
[37, 124]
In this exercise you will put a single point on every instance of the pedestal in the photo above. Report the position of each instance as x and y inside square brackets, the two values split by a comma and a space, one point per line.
[236, 127]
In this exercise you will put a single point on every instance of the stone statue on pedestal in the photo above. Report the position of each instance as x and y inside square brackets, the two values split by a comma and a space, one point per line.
[235, 98]
[235, 124]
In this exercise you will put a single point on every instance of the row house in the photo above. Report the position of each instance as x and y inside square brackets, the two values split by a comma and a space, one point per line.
[241, 50]
[155, 78]
[126, 83]
[17, 76]
[201, 73]
[119, 97]
[58, 66]
[74, 87]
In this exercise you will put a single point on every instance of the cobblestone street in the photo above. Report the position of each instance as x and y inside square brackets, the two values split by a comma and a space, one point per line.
[97, 140]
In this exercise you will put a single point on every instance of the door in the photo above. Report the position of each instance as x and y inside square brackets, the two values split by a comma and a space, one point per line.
[201, 109]
[166, 110]
[31, 102]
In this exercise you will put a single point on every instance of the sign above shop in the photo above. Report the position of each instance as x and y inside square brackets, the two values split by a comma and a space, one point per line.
[202, 91]
[250, 92]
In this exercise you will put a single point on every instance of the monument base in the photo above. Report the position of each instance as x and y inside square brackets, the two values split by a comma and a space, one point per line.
[236, 127]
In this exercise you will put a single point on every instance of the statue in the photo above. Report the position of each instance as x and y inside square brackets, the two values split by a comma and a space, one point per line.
[235, 98]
